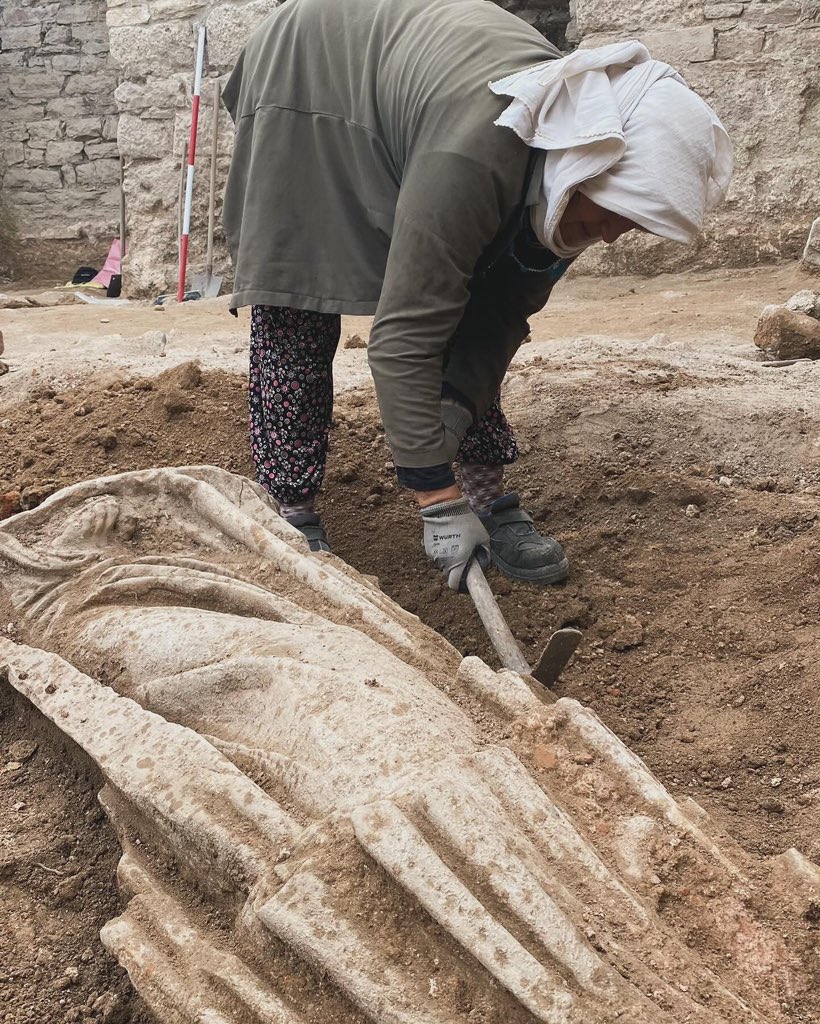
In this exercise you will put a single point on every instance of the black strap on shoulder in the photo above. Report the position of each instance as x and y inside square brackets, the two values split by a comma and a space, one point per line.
[505, 236]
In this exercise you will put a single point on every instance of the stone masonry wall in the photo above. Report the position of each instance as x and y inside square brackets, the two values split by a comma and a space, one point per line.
[59, 164]
[754, 60]
[757, 62]
[554, 19]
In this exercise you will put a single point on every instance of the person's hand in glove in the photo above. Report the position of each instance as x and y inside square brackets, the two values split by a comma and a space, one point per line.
[453, 536]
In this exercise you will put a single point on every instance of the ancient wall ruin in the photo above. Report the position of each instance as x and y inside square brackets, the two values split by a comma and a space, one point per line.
[553, 18]
[60, 62]
[59, 163]
[757, 63]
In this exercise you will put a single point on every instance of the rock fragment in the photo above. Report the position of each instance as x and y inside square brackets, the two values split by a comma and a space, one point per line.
[22, 750]
[805, 301]
[107, 440]
[14, 301]
[788, 334]
[628, 634]
[176, 401]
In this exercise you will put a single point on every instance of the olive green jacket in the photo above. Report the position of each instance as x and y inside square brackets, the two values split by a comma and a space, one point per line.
[368, 177]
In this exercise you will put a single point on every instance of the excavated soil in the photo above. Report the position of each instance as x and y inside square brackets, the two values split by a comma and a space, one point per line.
[682, 478]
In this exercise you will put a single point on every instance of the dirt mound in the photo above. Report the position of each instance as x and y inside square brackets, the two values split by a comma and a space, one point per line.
[688, 508]
[181, 415]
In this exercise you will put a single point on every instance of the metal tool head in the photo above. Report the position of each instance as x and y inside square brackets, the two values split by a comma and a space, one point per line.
[560, 648]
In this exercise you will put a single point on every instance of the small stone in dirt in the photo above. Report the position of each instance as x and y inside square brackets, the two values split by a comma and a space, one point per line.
[108, 1007]
[692, 511]
[176, 402]
[13, 766]
[757, 760]
[805, 301]
[20, 805]
[22, 750]
[725, 481]
[726, 782]
[107, 440]
[776, 781]
[9, 503]
[544, 757]
[83, 409]
[35, 495]
[355, 341]
[773, 806]
[629, 633]
[14, 302]
[69, 888]
[739, 701]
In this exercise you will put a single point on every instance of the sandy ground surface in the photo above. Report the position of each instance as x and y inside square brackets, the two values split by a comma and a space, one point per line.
[681, 475]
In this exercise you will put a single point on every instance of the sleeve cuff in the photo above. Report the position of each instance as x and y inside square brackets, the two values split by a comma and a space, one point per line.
[426, 478]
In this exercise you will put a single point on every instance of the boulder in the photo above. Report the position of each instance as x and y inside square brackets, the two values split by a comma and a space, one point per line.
[788, 334]
[805, 301]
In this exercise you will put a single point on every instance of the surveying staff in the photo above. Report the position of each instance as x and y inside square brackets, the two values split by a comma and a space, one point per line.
[375, 171]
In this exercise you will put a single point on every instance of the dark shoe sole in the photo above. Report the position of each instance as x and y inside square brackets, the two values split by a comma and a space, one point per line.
[316, 537]
[543, 576]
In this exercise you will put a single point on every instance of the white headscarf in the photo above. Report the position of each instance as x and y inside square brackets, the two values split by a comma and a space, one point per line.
[626, 131]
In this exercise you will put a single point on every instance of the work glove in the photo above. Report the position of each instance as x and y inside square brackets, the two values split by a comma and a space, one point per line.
[453, 537]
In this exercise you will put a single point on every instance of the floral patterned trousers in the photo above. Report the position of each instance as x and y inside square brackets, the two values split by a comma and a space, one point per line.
[291, 404]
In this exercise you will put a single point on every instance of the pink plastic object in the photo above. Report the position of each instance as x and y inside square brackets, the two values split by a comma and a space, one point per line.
[112, 265]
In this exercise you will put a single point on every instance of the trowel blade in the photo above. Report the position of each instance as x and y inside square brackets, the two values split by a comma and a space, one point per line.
[559, 650]
[212, 286]
[207, 285]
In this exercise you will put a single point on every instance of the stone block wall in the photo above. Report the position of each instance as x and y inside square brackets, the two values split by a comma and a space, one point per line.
[59, 162]
[83, 81]
[757, 62]
[554, 19]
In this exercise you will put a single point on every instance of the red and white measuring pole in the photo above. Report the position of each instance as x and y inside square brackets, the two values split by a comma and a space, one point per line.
[189, 183]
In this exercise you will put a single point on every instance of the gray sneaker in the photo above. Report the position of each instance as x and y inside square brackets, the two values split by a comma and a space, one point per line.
[311, 526]
[518, 549]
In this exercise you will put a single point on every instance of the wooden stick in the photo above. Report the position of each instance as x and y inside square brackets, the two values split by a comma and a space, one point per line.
[122, 211]
[209, 257]
[494, 622]
[788, 362]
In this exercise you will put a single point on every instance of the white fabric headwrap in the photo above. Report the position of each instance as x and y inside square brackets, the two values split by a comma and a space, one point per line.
[628, 132]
